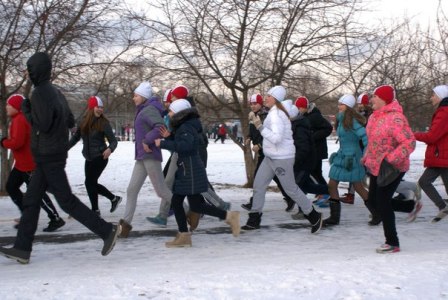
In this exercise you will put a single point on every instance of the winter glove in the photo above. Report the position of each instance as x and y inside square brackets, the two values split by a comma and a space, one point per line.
[332, 156]
[256, 148]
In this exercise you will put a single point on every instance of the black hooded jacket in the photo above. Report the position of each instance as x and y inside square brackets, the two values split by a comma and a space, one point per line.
[48, 113]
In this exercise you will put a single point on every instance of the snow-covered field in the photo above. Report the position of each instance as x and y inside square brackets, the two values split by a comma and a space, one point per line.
[280, 261]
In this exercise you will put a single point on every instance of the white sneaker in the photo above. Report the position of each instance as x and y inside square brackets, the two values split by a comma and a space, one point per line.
[413, 214]
[442, 214]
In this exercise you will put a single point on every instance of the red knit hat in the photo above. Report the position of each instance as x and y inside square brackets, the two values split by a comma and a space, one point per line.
[180, 92]
[302, 102]
[16, 101]
[363, 99]
[94, 101]
[167, 96]
[386, 93]
[256, 98]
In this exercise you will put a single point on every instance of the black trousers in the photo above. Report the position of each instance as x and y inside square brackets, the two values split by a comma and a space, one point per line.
[52, 176]
[197, 205]
[15, 180]
[93, 170]
[317, 172]
[380, 197]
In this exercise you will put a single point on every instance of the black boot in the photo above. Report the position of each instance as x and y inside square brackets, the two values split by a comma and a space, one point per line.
[335, 213]
[248, 206]
[315, 218]
[289, 204]
[253, 222]
[376, 218]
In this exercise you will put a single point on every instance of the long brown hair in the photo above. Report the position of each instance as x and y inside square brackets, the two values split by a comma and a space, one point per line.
[281, 107]
[91, 123]
[349, 115]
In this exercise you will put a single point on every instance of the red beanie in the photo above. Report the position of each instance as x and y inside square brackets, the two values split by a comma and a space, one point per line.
[94, 101]
[386, 93]
[15, 101]
[167, 96]
[256, 98]
[302, 102]
[363, 99]
[180, 92]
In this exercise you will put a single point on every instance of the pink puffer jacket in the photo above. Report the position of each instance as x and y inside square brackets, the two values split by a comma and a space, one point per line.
[390, 138]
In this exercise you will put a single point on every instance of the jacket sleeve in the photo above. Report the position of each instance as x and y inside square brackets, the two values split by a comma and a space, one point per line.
[302, 138]
[438, 129]
[275, 133]
[360, 132]
[110, 137]
[405, 139]
[16, 138]
[75, 138]
[323, 128]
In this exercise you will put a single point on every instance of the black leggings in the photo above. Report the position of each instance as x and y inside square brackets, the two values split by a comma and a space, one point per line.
[93, 170]
[197, 205]
[15, 180]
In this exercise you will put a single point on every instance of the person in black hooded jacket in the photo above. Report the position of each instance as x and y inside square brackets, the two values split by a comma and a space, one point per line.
[50, 117]
[191, 178]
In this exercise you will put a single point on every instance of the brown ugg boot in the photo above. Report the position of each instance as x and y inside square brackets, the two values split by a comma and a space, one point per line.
[182, 239]
[193, 220]
[125, 228]
[233, 219]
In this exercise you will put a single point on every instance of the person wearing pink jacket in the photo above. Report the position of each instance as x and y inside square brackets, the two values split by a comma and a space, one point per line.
[390, 141]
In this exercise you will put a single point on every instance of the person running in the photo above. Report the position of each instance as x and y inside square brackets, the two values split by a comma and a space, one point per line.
[148, 157]
[279, 151]
[436, 155]
[50, 118]
[191, 178]
[94, 130]
[19, 142]
[391, 143]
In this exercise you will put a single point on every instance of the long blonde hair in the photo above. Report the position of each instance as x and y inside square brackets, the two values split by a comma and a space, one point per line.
[91, 123]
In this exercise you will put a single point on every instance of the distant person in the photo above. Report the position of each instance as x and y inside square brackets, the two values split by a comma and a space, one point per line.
[19, 141]
[222, 132]
[95, 130]
[436, 155]
[50, 118]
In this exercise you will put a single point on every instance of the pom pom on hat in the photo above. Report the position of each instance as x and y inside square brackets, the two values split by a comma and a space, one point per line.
[278, 92]
[441, 91]
[256, 98]
[15, 101]
[180, 92]
[94, 101]
[144, 89]
[363, 99]
[386, 93]
[302, 102]
[179, 105]
[167, 96]
[348, 100]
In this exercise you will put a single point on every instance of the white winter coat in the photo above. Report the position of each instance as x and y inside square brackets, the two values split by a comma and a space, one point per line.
[277, 135]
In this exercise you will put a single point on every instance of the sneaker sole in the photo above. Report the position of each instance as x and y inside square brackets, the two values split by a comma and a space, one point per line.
[178, 246]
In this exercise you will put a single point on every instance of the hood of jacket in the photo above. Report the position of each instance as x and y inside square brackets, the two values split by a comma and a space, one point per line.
[39, 68]
[191, 115]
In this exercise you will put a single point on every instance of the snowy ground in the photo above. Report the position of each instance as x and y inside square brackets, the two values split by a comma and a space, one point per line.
[280, 261]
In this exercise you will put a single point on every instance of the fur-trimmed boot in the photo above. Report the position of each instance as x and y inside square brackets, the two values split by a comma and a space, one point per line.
[253, 222]
[182, 239]
[315, 218]
[233, 219]
[335, 213]
[376, 218]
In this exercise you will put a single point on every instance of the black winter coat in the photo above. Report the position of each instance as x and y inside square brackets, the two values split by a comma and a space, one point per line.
[191, 177]
[94, 144]
[303, 141]
[48, 113]
[321, 129]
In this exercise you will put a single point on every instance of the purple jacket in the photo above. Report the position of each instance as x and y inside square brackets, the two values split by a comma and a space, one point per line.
[147, 123]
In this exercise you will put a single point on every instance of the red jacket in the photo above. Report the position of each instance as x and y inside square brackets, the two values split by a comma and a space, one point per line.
[436, 138]
[19, 141]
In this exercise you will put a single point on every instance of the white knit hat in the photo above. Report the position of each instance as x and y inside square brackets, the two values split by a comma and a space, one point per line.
[179, 105]
[441, 91]
[348, 100]
[278, 92]
[294, 112]
[144, 90]
[287, 104]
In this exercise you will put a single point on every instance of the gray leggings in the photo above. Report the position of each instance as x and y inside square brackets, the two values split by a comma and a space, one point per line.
[426, 183]
[283, 168]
